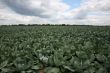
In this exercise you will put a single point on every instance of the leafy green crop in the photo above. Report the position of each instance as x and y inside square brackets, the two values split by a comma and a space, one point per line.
[54, 49]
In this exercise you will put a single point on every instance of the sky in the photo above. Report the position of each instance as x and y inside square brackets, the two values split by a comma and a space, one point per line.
[90, 12]
[73, 3]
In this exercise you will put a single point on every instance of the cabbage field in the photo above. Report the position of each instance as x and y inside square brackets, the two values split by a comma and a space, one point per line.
[54, 49]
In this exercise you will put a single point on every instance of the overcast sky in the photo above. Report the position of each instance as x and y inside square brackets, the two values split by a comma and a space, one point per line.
[55, 11]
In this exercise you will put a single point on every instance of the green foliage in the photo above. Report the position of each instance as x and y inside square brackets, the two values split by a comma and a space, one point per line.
[54, 49]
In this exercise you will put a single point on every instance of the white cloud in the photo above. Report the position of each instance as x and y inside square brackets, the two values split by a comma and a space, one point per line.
[54, 11]
[97, 5]
[90, 12]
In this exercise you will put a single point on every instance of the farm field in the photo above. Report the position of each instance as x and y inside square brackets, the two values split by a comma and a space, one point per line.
[54, 49]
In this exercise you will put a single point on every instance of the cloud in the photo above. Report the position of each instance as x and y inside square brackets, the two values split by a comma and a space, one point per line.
[54, 11]
[31, 11]
[90, 12]
[97, 5]
[40, 8]
[90, 6]
[9, 17]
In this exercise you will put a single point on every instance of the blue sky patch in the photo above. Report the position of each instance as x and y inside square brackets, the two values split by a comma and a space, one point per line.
[73, 3]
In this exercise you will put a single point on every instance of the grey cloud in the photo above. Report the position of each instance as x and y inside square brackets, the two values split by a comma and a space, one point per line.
[81, 14]
[23, 7]
[40, 8]
[1, 19]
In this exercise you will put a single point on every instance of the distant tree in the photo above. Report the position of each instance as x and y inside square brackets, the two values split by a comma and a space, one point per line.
[21, 24]
[48, 24]
[63, 24]
[43, 24]
[29, 24]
